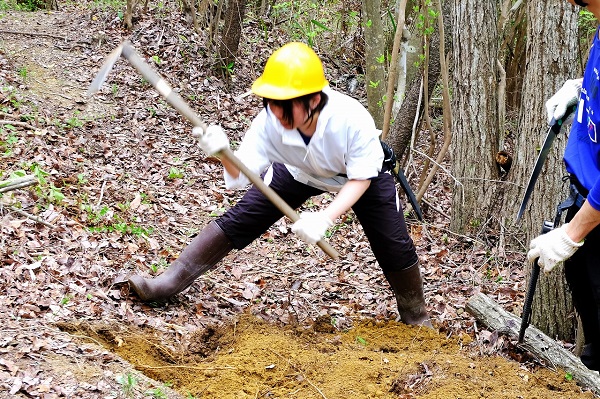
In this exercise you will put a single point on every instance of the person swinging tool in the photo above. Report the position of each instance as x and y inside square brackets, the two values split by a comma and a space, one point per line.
[307, 140]
[582, 161]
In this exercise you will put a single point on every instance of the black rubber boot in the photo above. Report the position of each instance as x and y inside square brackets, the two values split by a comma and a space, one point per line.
[206, 250]
[407, 285]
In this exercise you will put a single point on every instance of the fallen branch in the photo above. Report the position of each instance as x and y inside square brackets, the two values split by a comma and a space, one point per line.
[32, 217]
[438, 210]
[494, 317]
[17, 123]
[14, 184]
[14, 32]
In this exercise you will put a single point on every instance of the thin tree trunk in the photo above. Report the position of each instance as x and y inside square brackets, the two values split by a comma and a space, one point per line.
[51, 5]
[128, 17]
[374, 50]
[401, 129]
[232, 32]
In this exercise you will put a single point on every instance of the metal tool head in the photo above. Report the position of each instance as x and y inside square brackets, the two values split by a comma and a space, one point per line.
[553, 131]
[100, 78]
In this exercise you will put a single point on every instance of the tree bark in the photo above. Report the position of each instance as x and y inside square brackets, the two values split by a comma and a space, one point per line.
[51, 5]
[474, 119]
[401, 129]
[551, 25]
[495, 318]
[128, 17]
[232, 31]
[374, 49]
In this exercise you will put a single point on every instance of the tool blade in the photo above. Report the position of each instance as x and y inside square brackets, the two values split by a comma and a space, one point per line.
[553, 130]
[100, 78]
[539, 163]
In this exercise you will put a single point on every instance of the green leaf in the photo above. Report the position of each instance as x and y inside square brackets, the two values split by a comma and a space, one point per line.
[392, 19]
[320, 25]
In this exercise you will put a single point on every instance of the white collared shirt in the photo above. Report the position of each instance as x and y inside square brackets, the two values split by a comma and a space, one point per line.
[346, 142]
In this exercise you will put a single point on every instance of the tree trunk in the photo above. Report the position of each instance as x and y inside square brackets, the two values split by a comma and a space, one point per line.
[189, 10]
[51, 5]
[375, 80]
[401, 129]
[475, 119]
[232, 31]
[551, 26]
[128, 17]
[515, 61]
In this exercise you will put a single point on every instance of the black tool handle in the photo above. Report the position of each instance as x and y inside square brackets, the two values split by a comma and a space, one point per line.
[535, 274]
[557, 124]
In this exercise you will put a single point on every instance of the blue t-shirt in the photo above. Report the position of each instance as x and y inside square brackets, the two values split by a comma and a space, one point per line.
[582, 155]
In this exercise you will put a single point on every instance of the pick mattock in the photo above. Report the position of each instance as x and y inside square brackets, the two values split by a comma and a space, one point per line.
[127, 51]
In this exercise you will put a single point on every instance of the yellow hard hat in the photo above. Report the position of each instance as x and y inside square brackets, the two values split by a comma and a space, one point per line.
[291, 71]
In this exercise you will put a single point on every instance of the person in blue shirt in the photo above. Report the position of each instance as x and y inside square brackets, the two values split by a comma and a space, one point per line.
[577, 241]
[308, 139]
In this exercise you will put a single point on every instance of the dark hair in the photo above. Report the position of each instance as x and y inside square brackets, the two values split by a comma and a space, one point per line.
[286, 105]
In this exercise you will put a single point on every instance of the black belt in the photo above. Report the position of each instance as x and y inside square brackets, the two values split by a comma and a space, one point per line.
[576, 198]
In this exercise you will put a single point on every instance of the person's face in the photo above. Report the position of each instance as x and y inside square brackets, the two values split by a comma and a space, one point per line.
[299, 114]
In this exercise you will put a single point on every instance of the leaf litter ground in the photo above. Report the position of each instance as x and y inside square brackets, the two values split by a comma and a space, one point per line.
[277, 319]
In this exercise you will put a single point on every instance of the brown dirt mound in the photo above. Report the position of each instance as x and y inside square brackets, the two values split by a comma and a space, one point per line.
[249, 358]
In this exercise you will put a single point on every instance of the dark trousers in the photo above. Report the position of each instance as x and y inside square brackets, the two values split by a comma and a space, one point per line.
[382, 221]
[582, 272]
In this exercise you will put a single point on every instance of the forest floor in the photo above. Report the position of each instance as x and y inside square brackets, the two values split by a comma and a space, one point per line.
[123, 187]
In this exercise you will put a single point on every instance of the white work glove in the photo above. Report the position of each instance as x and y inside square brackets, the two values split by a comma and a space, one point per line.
[212, 140]
[552, 248]
[311, 226]
[567, 96]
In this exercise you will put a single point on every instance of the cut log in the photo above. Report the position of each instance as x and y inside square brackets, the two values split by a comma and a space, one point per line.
[13, 184]
[495, 318]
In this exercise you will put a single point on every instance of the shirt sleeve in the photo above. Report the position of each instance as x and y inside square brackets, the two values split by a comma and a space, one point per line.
[252, 153]
[594, 196]
[365, 155]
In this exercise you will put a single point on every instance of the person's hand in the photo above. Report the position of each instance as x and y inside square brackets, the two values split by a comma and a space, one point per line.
[567, 96]
[311, 226]
[212, 140]
[552, 248]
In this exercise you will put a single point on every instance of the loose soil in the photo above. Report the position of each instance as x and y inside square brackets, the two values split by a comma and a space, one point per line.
[251, 358]
[275, 320]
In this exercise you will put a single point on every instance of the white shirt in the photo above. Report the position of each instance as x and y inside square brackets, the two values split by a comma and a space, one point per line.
[346, 141]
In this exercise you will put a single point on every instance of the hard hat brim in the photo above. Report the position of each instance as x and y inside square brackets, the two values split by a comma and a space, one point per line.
[273, 92]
